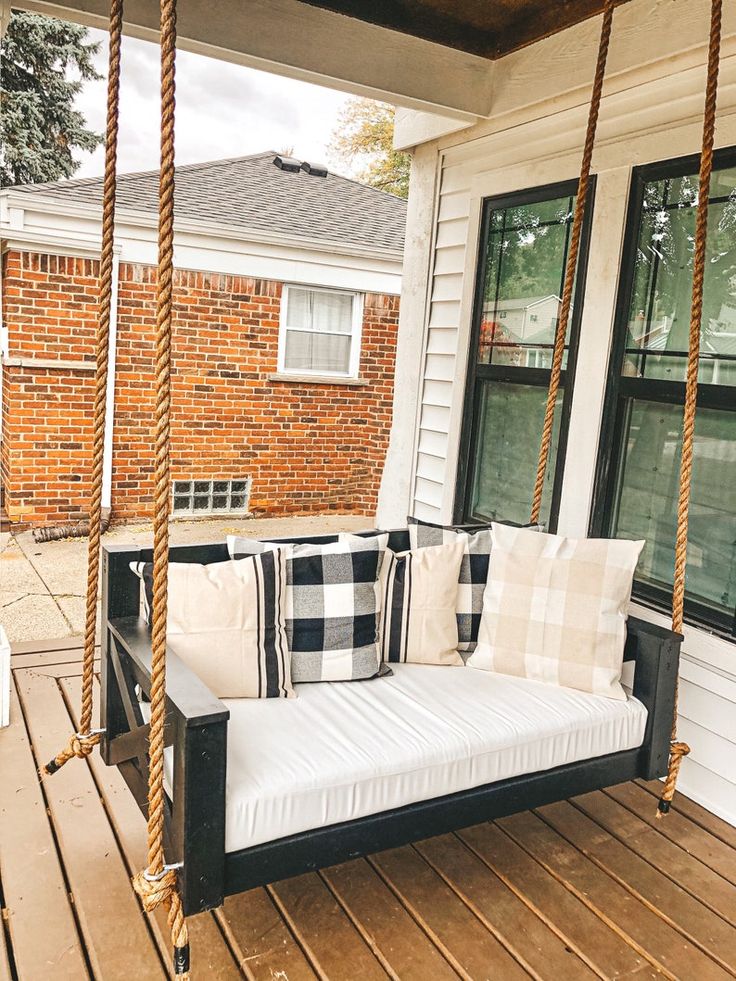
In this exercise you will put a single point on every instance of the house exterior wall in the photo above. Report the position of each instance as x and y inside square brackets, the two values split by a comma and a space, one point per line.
[652, 111]
[308, 447]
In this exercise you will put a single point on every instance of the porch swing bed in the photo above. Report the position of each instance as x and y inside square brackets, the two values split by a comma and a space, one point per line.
[261, 790]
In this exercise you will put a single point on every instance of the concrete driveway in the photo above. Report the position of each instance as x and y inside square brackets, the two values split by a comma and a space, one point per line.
[43, 587]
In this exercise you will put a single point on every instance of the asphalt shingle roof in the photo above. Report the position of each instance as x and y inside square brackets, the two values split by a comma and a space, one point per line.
[251, 193]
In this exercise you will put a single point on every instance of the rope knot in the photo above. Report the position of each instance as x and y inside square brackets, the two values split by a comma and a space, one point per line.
[155, 888]
[678, 752]
[80, 745]
[161, 889]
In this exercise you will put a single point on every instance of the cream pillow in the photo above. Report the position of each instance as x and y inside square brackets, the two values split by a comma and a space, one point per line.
[419, 622]
[226, 622]
[554, 609]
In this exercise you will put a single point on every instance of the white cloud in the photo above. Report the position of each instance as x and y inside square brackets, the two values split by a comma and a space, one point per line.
[222, 110]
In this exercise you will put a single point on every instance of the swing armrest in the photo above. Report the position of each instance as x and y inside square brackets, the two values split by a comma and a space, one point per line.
[186, 693]
[196, 736]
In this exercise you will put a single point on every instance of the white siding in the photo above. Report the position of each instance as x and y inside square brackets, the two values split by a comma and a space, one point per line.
[655, 113]
[440, 363]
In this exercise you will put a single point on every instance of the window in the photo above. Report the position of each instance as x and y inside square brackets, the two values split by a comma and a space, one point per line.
[199, 497]
[638, 478]
[320, 332]
[524, 244]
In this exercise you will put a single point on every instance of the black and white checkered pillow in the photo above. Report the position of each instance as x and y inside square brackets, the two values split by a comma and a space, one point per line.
[333, 605]
[473, 573]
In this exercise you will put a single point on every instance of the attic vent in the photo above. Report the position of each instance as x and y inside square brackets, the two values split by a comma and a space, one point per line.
[289, 164]
[314, 169]
[199, 497]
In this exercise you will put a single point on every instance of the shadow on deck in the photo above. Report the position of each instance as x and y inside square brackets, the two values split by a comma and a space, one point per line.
[592, 887]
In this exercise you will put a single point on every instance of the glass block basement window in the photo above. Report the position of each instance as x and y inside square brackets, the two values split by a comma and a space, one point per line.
[200, 497]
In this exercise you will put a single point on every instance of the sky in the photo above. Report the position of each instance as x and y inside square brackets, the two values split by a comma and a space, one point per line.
[222, 110]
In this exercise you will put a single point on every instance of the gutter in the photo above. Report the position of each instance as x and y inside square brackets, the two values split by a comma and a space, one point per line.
[110, 394]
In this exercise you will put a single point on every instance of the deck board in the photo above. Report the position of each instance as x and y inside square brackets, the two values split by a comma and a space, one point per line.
[591, 888]
[525, 935]
[678, 828]
[640, 926]
[211, 955]
[263, 945]
[591, 938]
[34, 890]
[97, 876]
[472, 950]
[701, 882]
[712, 934]
[394, 936]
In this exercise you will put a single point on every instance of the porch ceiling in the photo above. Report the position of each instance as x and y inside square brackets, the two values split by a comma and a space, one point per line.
[430, 55]
[477, 27]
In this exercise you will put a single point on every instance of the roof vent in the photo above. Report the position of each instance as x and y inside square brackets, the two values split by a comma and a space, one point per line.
[289, 164]
[314, 169]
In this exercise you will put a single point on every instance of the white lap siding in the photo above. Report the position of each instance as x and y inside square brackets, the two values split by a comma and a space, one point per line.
[652, 112]
[442, 378]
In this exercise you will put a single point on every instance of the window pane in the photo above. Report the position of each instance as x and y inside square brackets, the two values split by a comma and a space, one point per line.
[332, 312]
[313, 310]
[298, 313]
[523, 276]
[510, 421]
[659, 313]
[648, 489]
[307, 351]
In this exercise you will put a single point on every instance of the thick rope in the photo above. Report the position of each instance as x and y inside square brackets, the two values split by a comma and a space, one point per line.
[82, 743]
[678, 750]
[157, 885]
[572, 262]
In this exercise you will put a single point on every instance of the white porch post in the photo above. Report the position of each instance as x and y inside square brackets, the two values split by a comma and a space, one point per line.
[394, 497]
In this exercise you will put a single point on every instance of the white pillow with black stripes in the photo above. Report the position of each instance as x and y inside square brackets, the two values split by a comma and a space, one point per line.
[226, 622]
[419, 621]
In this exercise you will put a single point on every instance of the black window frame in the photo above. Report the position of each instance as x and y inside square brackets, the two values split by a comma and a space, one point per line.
[539, 377]
[620, 387]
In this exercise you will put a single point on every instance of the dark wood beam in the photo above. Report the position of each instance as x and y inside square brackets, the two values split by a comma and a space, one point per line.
[480, 27]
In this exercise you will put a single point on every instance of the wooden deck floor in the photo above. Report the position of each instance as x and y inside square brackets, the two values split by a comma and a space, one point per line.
[591, 887]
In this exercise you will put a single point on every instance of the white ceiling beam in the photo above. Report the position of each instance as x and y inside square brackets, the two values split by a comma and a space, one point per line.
[290, 38]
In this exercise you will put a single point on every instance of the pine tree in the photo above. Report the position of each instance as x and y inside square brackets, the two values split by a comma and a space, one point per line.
[43, 64]
[365, 130]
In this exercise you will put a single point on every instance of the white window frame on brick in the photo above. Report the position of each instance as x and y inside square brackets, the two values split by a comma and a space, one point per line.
[355, 333]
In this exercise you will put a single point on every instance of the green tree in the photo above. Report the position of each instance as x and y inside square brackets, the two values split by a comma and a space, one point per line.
[364, 134]
[43, 64]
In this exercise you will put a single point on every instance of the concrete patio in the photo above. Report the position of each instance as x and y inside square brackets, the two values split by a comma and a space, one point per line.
[42, 587]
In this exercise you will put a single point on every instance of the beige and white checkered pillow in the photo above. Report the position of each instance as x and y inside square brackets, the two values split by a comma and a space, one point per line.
[554, 609]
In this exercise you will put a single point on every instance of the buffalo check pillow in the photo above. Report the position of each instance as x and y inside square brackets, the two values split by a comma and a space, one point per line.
[226, 622]
[554, 609]
[332, 608]
[472, 578]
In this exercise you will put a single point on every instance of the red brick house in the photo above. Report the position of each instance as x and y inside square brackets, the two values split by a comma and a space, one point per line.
[286, 297]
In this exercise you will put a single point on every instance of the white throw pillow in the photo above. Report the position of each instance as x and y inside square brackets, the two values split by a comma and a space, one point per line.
[554, 609]
[226, 622]
[419, 622]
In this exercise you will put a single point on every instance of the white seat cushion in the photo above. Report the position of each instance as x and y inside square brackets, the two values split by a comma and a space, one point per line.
[341, 751]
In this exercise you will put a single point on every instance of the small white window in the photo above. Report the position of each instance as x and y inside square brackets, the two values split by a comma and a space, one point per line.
[320, 332]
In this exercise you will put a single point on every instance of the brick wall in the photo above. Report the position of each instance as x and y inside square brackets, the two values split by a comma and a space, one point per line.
[309, 448]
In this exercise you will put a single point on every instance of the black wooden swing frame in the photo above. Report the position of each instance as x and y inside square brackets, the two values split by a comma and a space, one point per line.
[196, 728]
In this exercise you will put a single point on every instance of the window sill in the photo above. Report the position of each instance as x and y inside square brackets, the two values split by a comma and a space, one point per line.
[317, 379]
